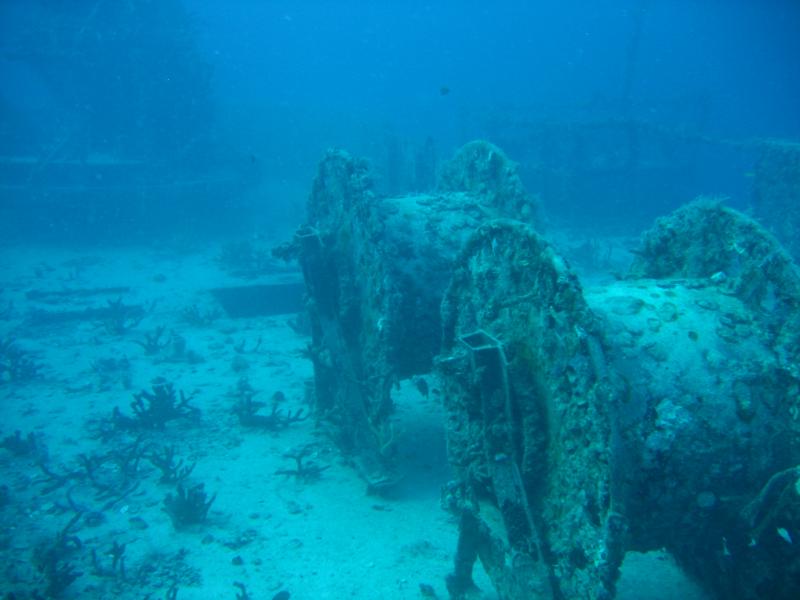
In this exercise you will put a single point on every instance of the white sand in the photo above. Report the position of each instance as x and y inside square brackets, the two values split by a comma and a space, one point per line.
[317, 540]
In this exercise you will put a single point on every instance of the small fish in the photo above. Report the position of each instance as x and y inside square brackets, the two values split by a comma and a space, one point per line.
[427, 590]
[784, 535]
[444, 90]
[282, 595]
[422, 386]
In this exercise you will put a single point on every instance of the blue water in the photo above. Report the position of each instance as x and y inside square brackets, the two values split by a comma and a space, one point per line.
[250, 94]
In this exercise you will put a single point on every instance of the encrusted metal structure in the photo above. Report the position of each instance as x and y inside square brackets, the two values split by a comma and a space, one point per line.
[658, 411]
[706, 334]
[376, 269]
[533, 450]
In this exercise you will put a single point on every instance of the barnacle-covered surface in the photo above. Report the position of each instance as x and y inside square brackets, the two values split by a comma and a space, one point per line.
[708, 352]
[555, 417]
[706, 240]
[483, 169]
[376, 269]
[707, 419]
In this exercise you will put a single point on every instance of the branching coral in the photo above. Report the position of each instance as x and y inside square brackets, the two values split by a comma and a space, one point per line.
[188, 507]
[16, 364]
[154, 409]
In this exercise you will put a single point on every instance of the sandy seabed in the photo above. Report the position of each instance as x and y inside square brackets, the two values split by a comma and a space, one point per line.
[315, 538]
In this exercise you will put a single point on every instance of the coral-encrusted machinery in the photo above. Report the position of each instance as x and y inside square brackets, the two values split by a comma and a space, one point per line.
[376, 270]
[658, 411]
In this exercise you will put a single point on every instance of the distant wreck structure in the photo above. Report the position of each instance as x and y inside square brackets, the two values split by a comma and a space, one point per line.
[658, 411]
[776, 191]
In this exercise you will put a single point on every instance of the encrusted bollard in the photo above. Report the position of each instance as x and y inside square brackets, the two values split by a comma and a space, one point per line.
[376, 270]
[528, 421]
